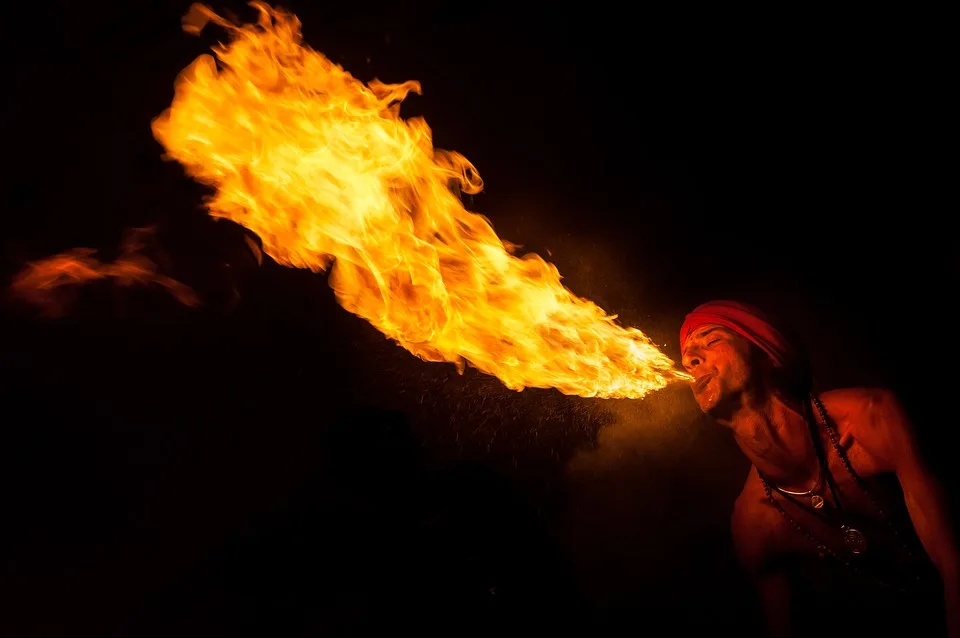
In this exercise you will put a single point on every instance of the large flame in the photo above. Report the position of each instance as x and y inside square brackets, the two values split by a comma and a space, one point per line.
[324, 170]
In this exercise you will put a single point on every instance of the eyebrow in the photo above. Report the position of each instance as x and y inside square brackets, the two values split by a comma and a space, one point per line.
[704, 334]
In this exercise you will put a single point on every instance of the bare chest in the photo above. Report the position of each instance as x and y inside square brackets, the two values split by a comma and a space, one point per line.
[840, 517]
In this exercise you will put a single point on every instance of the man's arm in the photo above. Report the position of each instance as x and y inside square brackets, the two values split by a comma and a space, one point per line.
[925, 498]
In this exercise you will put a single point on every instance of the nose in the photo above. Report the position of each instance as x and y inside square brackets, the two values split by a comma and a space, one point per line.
[691, 359]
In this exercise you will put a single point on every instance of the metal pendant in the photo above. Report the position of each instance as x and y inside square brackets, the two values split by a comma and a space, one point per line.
[817, 501]
[855, 540]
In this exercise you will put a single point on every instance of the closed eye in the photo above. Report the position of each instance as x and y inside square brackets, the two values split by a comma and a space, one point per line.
[713, 341]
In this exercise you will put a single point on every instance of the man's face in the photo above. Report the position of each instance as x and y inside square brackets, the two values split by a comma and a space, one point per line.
[719, 359]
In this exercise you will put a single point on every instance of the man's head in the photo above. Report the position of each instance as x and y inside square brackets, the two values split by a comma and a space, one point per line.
[730, 348]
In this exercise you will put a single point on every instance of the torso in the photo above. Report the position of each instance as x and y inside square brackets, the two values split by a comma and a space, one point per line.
[782, 535]
[782, 547]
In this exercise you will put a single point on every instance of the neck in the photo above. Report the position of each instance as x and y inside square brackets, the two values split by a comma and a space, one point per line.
[773, 433]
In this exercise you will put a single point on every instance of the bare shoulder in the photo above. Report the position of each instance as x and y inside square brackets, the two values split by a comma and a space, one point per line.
[753, 525]
[848, 402]
[872, 417]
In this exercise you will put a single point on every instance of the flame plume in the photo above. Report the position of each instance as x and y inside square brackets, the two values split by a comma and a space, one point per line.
[325, 171]
[42, 283]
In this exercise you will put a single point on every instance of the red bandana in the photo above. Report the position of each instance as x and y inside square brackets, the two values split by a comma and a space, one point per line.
[746, 321]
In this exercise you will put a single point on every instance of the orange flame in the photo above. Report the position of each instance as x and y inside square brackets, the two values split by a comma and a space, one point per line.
[324, 170]
[41, 282]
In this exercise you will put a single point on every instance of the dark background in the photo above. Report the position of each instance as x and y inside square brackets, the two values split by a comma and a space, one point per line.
[268, 464]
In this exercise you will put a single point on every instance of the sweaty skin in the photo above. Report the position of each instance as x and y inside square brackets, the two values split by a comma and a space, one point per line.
[735, 385]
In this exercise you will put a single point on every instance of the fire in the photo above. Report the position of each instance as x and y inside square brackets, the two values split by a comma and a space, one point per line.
[42, 282]
[325, 171]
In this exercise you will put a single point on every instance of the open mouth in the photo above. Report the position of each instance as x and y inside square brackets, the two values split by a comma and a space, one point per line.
[702, 382]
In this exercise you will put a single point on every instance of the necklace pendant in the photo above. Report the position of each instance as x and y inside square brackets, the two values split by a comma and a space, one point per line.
[816, 501]
[855, 540]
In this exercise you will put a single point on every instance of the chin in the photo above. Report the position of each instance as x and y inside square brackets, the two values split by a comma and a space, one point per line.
[709, 409]
[712, 402]
[707, 404]
[722, 410]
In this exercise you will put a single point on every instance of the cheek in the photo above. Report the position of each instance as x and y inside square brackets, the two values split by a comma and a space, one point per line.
[732, 368]
[737, 373]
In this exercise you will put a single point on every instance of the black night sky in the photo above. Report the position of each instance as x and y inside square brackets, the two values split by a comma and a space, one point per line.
[269, 465]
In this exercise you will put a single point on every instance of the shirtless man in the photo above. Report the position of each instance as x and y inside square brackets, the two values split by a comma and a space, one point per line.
[813, 524]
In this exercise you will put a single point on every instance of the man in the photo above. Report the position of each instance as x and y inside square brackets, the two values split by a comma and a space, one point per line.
[813, 524]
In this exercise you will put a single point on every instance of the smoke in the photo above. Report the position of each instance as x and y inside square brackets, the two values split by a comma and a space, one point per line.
[662, 426]
[648, 507]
